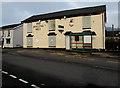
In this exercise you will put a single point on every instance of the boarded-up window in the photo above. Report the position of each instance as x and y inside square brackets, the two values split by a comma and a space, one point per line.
[29, 41]
[86, 22]
[29, 27]
[52, 41]
[51, 25]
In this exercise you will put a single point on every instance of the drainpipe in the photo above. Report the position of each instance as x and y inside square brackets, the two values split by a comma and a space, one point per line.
[103, 30]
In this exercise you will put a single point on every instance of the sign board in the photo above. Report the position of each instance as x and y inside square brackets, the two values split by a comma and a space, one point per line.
[38, 26]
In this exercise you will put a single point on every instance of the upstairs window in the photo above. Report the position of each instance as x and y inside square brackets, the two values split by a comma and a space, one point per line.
[60, 28]
[29, 27]
[86, 22]
[51, 25]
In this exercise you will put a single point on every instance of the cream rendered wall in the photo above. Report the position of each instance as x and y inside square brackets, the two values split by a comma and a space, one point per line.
[97, 27]
[60, 37]
[40, 38]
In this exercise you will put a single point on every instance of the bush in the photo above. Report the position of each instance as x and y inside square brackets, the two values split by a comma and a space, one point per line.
[112, 44]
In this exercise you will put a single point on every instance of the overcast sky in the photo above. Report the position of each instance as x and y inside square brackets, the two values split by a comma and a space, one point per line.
[15, 12]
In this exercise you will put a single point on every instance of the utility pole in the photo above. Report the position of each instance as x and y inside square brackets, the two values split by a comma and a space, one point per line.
[113, 36]
[113, 31]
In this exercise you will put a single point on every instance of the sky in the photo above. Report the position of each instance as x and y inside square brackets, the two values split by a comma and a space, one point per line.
[15, 12]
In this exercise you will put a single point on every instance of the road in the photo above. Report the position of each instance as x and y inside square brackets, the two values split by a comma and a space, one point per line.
[28, 72]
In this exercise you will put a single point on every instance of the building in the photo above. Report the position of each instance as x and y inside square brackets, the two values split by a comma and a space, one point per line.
[12, 35]
[82, 28]
[0, 38]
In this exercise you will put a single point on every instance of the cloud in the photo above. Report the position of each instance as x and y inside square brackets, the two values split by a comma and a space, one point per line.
[115, 12]
[11, 15]
[72, 4]
[21, 15]
[14, 12]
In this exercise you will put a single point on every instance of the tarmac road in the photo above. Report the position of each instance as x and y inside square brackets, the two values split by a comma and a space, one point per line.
[47, 73]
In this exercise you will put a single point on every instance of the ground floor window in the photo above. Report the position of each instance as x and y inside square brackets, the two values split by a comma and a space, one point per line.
[52, 39]
[8, 41]
[29, 41]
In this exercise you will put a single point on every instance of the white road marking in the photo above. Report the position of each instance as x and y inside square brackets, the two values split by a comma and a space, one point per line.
[23, 81]
[4, 72]
[12, 76]
[35, 86]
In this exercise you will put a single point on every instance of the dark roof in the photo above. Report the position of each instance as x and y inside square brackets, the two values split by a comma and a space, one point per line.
[9, 26]
[68, 13]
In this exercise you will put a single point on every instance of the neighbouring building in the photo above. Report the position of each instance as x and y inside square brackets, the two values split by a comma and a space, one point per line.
[82, 28]
[0, 38]
[12, 36]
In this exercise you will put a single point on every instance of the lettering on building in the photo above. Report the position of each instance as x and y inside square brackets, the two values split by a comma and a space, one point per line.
[38, 26]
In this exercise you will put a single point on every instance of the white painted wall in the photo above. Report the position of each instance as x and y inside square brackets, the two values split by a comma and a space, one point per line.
[0, 37]
[6, 36]
[18, 36]
[67, 42]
